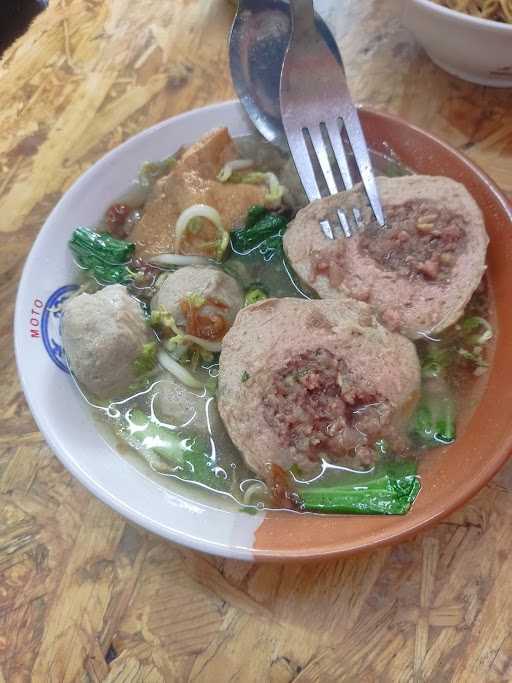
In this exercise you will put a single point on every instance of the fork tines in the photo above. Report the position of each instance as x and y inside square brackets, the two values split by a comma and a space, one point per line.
[321, 123]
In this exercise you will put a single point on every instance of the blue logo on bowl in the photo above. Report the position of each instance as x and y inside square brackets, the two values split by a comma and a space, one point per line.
[50, 325]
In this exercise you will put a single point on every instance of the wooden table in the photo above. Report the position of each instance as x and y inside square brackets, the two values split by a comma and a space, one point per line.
[84, 596]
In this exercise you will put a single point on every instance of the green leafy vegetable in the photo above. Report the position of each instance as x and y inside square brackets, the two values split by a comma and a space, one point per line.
[474, 357]
[211, 385]
[195, 300]
[153, 170]
[394, 169]
[461, 345]
[436, 361]
[383, 449]
[255, 214]
[390, 490]
[433, 423]
[275, 191]
[164, 442]
[254, 294]
[108, 247]
[269, 225]
[146, 360]
[274, 243]
[189, 456]
[102, 255]
[162, 321]
[245, 376]
[480, 325]
[249, 510]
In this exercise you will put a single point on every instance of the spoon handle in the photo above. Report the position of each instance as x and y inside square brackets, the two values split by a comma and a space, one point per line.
[303, 9]
[244, 5]
[303, 17]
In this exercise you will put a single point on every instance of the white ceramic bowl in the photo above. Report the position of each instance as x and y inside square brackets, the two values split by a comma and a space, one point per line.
[176, 512]
[477, 50]
[60, 412]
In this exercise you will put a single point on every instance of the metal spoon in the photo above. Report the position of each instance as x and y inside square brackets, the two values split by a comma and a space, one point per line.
[259, 37]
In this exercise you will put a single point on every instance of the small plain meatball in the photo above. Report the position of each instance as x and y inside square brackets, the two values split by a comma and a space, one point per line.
[305, 380]
[418, 274]
[184, 408]
[222, 294]
[180, 407]
[102, 335]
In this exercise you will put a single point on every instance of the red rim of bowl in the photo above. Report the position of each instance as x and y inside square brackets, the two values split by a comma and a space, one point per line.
[272, 528]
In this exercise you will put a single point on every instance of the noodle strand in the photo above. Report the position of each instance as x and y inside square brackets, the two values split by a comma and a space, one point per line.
[495, 10]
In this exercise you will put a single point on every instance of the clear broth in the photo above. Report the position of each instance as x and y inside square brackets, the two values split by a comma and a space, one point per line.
[237, 485]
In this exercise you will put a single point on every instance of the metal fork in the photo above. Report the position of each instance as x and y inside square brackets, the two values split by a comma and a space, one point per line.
[320, 120]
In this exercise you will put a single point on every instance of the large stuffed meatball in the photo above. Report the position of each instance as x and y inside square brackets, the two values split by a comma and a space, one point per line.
[302, 381]
[418, 274]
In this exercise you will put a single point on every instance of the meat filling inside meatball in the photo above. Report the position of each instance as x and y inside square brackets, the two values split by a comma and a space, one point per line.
[315, 408]
[330, 263]
[422, 241]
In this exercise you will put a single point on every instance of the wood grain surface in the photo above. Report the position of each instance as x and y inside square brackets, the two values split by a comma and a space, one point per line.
[84, 596]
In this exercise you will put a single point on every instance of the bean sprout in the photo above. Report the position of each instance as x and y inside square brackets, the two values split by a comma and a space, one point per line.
[209, 213]
[252, 490]
[212, 346]
[178, 260]
[176, 369]
[237, 165]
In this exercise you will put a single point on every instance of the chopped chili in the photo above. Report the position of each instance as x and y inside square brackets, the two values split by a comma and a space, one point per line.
[116, 217]
[212, 326]
[146, 273]
[282, 488]
[217, 303]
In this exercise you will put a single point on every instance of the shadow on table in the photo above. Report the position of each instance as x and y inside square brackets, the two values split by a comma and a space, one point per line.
[15, 18]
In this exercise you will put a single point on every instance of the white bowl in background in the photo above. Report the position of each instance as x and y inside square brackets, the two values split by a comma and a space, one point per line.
[474, 49]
